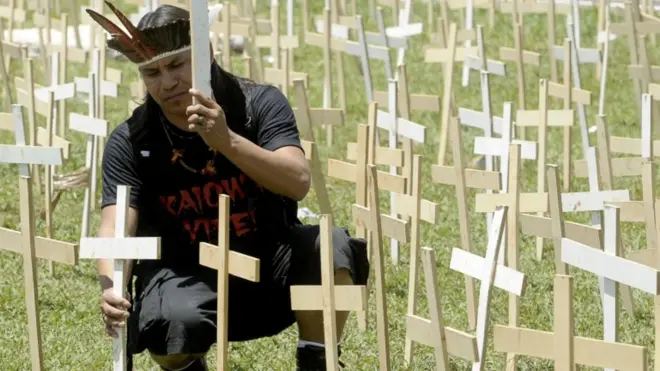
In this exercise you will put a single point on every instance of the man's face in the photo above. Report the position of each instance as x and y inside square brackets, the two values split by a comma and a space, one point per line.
[168, 82]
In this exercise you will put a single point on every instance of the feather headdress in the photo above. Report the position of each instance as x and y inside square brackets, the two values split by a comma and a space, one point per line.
[147, 45]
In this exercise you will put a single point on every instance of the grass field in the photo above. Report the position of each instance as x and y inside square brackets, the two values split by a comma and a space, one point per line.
[73, 335]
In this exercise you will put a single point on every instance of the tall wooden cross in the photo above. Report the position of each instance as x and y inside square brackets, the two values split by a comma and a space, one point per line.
[226, 262]
[25, 155]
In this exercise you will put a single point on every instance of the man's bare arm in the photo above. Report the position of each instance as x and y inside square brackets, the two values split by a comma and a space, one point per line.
[107, 229]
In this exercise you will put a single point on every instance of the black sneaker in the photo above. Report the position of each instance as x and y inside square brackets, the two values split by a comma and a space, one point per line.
[198, 365]
[312, 358]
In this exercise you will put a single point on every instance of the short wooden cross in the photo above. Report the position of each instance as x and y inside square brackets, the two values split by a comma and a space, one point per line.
[328, 297]
[120, 248]
[226, 262]
[444, 340]
[24, 155]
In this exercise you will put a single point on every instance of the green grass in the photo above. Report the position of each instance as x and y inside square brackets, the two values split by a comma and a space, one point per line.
[73, 335]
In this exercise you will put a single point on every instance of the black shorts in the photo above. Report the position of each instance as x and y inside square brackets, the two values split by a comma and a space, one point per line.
[174, 311]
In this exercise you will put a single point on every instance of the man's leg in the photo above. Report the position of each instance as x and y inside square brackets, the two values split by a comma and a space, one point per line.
[310, 323]
[174, 320]
[177, 362]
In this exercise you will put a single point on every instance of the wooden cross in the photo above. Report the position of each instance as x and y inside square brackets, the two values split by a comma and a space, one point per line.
[479, 62]
[94, 128]
[500, 147]
[520, 57]
[24, 155]
[371, 219]
[413, 202]
[445, 340]
[304, 118]
[120, 248]
[356, 173]
[102, 88]
[275, 41]
[569, 95]
[408, 101]
[397, 127]
[462, 177]
[447, 56]
[328, 297]
[550, 9]
[226, 262]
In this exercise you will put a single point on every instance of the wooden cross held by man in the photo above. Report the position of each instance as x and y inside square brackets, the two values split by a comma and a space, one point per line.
[24, 156]
[121, 247]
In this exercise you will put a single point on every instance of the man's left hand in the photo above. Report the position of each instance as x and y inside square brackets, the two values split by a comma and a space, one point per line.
[208, 119]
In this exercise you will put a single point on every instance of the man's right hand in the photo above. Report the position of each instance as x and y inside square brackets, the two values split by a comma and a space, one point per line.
[114, 310]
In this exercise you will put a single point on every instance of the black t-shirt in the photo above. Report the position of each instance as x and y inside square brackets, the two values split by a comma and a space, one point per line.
[181, 206]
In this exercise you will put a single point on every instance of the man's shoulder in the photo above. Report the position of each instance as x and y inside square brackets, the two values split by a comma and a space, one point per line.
[261, 95]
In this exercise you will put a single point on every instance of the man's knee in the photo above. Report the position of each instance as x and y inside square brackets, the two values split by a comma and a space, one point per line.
[175, 361]
[185, 315]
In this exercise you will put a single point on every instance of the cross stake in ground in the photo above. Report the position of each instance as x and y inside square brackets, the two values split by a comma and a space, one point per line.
[226, 262]
[24, 156]
[120, 248]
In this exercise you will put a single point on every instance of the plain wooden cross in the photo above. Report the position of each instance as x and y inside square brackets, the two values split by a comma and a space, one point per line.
[24, 155]
[328, 297]
[226, 262]
[562, 346]
[520, 57]
[304, 118]
[444, 340]
[120, 248]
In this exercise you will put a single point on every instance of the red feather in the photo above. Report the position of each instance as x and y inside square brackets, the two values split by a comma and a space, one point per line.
[114, 30]
[133, 31]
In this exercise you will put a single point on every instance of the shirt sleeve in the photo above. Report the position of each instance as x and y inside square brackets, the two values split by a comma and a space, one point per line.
[276, 121]
[119, 168]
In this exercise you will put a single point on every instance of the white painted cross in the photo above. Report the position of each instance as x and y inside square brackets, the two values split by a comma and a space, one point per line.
[24, 156]
[361, 49]
[396, 127]
[612, 268]
[201, 53]
[83, 84]
[120, 248]
[490, 273]
[499, 147]
[584, 55]
[94, 128]
[100, 88]
[479, 62]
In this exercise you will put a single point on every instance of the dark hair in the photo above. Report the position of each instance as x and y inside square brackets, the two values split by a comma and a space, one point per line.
[231, 92]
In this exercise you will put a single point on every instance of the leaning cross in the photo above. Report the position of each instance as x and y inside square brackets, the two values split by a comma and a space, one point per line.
[120, 248]
[24, 156]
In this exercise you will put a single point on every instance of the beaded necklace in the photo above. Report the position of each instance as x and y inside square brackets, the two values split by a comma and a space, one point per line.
[177, 153]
